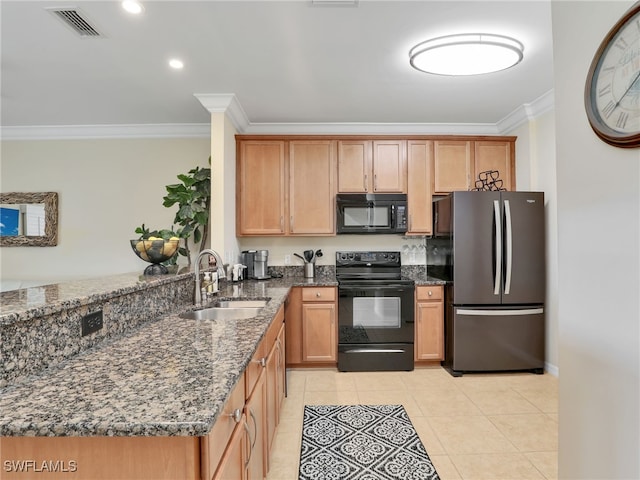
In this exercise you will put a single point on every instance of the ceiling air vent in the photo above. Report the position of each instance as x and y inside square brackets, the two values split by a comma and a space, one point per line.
[74, 19]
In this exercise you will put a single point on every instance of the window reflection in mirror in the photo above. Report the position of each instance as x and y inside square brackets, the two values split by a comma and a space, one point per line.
[22, 219]
[28, 219]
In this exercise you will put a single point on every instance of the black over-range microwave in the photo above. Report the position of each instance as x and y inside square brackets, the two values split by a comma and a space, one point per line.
[371, 213]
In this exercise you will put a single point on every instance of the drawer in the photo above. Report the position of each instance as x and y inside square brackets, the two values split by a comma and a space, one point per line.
[429, 292]
[319, 294]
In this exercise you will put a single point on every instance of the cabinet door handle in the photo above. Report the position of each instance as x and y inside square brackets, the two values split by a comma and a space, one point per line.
[255, 429]
[246, 429]
[364, 185]
[291, 223]
[281, 223]
[375, 183]
[318, 294]
[430, 293]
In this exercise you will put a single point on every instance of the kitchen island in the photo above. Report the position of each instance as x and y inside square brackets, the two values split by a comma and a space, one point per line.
[158, 387]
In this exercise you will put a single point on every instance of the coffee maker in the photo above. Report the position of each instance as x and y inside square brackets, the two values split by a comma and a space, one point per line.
[256, 262]
[260, 259]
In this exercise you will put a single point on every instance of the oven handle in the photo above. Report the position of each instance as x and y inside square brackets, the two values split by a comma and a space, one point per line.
[375, 350]
[388, 286]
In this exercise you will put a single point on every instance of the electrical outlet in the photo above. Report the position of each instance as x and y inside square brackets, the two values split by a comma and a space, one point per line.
[91, 322]
[287, 259]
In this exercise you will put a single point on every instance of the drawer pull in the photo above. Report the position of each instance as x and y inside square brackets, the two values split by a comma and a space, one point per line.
[236, 415]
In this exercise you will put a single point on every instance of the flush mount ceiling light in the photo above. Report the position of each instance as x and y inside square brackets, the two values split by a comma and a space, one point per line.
[466, 54]
[176, 63]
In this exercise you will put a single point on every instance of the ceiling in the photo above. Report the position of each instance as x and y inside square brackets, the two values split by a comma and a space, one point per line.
[287, 63]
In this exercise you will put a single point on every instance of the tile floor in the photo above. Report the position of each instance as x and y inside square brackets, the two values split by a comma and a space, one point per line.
[479, 426]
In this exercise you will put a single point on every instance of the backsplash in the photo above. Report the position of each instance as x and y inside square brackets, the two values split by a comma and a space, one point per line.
[33, 343]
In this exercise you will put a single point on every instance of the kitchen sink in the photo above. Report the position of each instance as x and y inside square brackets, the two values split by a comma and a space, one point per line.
[222, 313]
[241, 303]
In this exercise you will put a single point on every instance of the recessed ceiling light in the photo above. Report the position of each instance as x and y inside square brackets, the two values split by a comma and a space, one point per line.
[466, 54]
[132, 6]
[175, 63]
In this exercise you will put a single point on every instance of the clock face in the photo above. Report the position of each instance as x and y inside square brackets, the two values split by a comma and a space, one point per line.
[612, 93]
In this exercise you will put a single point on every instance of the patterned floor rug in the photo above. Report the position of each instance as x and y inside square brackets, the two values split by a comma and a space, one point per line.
[363, 442]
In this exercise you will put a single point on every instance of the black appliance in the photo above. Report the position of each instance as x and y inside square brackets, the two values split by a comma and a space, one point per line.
[494, 318]
[375, 312]
[371, 213]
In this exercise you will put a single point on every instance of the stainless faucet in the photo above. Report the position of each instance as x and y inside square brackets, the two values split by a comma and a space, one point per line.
[219, 264]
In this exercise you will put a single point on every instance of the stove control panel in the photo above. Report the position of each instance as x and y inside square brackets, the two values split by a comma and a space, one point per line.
[367, 258]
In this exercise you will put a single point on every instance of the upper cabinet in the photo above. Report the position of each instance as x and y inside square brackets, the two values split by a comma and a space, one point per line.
[372, 166]
[285, 188]
[312, 187]
[457, 163]
[287, 185]
[496, 156]
[260, 187]
[419, 186]
[452, 166]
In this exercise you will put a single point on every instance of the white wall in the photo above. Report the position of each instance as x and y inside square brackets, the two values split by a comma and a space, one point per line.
[106, 188]
[599, 265]
[536, 171]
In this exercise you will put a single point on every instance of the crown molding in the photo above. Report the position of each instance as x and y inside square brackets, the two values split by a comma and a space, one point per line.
[78, 132]
[225, 103]
[230, 106]
[372, 128]
[527, 112]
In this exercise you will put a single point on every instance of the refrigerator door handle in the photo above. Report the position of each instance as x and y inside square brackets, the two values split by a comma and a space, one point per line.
[498, 245]
[493, 313]
[508, 247]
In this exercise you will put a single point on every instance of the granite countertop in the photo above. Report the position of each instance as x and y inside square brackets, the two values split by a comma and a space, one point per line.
[26, 303]
[170, 376]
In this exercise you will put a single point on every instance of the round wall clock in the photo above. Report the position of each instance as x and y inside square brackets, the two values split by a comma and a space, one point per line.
[612, 90]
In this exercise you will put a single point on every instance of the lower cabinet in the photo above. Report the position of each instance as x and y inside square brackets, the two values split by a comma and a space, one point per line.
[429, 321]
[247, 449]
[312, 329]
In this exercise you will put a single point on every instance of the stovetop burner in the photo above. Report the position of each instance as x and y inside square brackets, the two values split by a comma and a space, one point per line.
[369, 267]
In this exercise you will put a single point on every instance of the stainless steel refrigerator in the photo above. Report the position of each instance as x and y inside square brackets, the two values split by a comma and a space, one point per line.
[494, 316]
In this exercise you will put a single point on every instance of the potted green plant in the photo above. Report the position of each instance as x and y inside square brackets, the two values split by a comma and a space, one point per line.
[193, 197]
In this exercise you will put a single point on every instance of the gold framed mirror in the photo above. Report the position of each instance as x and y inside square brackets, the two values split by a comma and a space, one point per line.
[40, 230]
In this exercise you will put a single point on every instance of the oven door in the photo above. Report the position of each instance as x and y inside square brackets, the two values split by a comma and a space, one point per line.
[375, 313]
[376, 327]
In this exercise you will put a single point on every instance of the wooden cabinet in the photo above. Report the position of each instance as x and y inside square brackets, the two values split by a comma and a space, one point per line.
[496, 155]
[255, 416]
[429, 323]
[452, 166]
[260, 187]
[319, 325]
[372, 166]
[232, 465]
[285, 187]
[275, 376]
[457, 163]
[312, 187]
[264, 392]
[420, 186]
[311, 327]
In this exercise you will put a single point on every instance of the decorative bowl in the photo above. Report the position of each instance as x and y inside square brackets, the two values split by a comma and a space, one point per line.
[155, 251]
